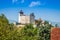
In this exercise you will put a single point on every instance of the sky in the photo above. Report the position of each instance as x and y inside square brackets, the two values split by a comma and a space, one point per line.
[45, 9]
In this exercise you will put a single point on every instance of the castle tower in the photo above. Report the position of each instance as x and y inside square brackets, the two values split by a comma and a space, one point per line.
[20, 14]
[32, 18]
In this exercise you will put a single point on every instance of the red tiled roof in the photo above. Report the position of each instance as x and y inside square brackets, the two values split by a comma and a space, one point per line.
[55, 34]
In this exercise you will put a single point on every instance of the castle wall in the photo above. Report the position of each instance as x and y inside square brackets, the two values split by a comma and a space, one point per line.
[24, 19]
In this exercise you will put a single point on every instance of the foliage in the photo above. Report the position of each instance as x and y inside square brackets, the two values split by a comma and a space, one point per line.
[56, 25]
[9, 32]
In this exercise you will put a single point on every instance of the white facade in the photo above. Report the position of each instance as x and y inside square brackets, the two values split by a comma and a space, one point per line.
[18, 18]
[23, 19]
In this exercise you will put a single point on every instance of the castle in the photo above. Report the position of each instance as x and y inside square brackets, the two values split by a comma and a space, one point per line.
[24, 19]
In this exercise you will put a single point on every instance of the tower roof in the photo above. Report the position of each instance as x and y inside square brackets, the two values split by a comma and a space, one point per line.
[32, 14]
[21, 13]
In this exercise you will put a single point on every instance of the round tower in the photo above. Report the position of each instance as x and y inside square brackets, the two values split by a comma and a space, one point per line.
[32, 18]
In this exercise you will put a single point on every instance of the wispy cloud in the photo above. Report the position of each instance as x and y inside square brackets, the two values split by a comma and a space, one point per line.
[37, 3]
[18, 1]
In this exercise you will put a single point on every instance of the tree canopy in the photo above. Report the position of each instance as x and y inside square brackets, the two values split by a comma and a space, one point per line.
[28, 32]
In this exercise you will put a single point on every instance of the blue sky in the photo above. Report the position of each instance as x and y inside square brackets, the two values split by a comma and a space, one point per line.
[45, 9]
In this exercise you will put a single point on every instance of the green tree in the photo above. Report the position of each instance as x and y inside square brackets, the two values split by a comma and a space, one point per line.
[44, 31]
[28, 32]
[56, 25]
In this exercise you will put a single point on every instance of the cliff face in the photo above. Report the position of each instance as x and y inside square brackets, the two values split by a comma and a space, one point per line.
[55, 34]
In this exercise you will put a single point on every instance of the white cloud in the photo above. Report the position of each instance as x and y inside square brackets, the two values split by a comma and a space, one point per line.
[37, 3]
[18, 1]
